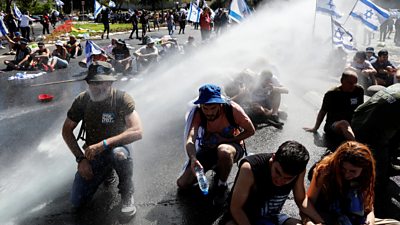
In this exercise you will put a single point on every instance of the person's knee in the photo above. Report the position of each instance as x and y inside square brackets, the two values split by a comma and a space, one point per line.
[120, 153]
[342, 125]
[226, 153]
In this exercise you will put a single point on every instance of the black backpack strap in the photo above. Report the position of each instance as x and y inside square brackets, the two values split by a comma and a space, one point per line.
[116, 102]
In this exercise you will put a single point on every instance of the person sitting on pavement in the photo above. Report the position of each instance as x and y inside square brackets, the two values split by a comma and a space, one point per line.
[364, 69]
[371, 56]
[342, 187]
[148, 54]
[111, 123]
[74, 47]
[190, 45]
[386, 71]
[266, 98]
[13, 42]
[213, 142]
[40, 57]
[264, 182]
[169, 46]
[122, 57]
[338, 105]
[60, 57]
[377, 124]
[22, 57]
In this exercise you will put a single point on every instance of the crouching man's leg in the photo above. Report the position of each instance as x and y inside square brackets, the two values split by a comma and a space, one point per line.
[123, 165]
[227, 154]
[83, 189]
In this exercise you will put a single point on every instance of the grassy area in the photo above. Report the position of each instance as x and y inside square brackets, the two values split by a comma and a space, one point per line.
[117, 27]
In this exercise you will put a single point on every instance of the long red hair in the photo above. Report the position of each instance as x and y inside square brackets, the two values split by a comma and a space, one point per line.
[330, 168]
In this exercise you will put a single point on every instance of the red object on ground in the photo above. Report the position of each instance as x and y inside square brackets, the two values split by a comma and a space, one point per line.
[45, 97]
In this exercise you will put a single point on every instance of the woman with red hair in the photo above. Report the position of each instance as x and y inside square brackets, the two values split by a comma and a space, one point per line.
[342, 186]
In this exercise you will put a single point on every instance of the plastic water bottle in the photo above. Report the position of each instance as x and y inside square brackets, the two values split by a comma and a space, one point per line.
[202, 180]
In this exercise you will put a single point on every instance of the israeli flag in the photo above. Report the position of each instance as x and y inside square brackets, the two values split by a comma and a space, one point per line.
[369, 14]
[97, 8]
[341, 37]
[59, 3]
[194, 13]
[90, 49]
[239, 10]
[327, 7]
[17, 12]
[111, 4]
[3, 28]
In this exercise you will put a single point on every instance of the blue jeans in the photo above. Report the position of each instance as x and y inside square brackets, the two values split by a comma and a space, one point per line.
[83, 190]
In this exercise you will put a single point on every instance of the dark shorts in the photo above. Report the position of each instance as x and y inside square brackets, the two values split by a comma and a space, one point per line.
[208, 157]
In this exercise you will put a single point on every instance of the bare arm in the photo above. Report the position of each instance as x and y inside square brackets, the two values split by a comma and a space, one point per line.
[191, 147]
[320, 118]
[241, 193]
[84, 167]
[370, 218]
[303, 202]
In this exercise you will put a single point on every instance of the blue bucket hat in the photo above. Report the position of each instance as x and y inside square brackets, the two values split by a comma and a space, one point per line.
[210, 94]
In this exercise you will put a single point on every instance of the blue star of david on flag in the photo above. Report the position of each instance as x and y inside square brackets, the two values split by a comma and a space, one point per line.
[369, 14]
[327, 7]
[341, 37]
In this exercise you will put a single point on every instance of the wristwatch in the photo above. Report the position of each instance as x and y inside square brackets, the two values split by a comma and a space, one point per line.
[80, 158]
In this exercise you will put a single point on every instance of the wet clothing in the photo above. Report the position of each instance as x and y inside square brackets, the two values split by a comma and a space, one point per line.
[120, 54]
[265, 200]
[21, 53]
[340, 105]
[102, 120]
[387, 78]
[111, 117]
[376, 123]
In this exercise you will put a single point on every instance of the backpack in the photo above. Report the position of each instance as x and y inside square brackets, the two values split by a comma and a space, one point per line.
[229, 115]
[118, 99]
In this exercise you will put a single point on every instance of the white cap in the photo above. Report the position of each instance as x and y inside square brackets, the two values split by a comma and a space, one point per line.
[58, 42]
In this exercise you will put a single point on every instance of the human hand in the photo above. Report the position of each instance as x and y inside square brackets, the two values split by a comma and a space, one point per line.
[92, 150]
[312, 130]
[85, 169]
[195, 163]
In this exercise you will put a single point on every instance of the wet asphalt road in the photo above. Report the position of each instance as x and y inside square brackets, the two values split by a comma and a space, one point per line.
[36, 168]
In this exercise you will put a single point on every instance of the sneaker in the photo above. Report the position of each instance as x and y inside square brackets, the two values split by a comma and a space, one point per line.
[221, 194]
[128, 205]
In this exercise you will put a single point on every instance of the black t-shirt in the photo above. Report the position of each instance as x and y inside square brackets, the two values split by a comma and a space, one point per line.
[120, 54]
[265, 199]
[384, 76]
[21, 53]
[340, 105]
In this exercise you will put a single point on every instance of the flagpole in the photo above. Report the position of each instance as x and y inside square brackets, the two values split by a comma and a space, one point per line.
[350, 12]
[315, 16]
[332, 31]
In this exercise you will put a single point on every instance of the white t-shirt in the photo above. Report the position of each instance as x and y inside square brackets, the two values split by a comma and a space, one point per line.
[25, 21]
